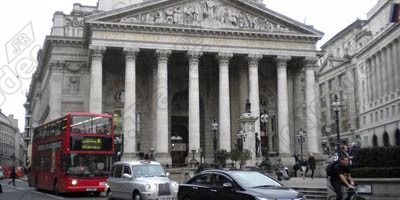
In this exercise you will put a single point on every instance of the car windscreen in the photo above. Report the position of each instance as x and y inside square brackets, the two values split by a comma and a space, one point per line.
[148, 171]
[253, 179]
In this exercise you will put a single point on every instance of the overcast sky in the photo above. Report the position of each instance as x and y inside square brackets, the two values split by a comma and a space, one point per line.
[328, 16]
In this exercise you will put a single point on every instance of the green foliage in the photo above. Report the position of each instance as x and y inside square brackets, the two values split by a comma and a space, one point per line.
[221, 157]
[238, 155]
[377, 157]
[367, 172]
[235, 155]
[380, 162]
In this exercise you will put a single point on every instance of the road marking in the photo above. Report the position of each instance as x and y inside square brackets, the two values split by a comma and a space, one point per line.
[49, 195]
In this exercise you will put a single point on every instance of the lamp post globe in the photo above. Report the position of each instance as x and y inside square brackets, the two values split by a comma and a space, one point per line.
[214, 128]
[301, 136]
[264, 119]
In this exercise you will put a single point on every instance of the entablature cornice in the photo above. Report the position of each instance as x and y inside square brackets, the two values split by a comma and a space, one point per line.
[203, 31]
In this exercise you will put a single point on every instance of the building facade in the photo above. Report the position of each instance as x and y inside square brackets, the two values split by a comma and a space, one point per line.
[166, 69]
[362, 65]
[11, 145]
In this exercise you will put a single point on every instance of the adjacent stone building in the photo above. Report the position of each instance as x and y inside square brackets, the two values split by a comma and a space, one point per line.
[167, 68]
[11, 144]
[362, 65]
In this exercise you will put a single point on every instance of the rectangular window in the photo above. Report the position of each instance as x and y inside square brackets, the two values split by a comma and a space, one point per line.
[387, 112]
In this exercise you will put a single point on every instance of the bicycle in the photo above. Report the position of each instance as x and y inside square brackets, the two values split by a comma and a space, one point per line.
[352, 194]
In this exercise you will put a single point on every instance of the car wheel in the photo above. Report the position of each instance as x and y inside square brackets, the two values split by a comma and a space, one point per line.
[137, 196]
[109, 195]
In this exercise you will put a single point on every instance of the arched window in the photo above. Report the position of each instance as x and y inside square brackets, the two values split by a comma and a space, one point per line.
[375, 141]
[397, 136]
[386, 141]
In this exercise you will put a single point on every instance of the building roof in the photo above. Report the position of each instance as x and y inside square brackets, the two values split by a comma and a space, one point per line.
[356, 24]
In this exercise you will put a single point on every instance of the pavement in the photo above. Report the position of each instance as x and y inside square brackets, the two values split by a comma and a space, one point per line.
[306, 183]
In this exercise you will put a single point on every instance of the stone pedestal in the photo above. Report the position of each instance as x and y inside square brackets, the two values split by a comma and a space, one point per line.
[163, 158]
[247, 125]
[129, 156]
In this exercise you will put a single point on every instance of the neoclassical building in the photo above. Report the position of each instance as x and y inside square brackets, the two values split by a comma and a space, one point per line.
[362, 65]
[167, 69]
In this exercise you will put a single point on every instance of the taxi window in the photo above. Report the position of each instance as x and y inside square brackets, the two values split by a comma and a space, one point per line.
[116, 171]
[127, 170]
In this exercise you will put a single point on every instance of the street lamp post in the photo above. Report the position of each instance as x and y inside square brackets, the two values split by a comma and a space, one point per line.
[152, 153]
[241, 135]
[214, 127]
[264, 119]
[301, 136]
[336, 107]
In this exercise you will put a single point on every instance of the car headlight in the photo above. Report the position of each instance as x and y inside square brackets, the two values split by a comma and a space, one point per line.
[74, 182]
[147, 187]
[175, 186]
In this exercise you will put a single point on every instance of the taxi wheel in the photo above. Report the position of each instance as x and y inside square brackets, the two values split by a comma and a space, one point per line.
[136, 196]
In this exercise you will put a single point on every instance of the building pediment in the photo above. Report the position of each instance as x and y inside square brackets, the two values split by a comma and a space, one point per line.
[236, 15]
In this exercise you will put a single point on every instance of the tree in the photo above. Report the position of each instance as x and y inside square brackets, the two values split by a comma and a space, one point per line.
[242, 156]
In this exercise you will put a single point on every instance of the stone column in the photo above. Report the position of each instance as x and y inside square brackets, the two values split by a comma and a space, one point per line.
[392, 56]
[283, 106]
[130, 104]
[396, 61]
[224, 102]
[254, 95]
[311, 103]
[369, 80]
[390, 77]
[162, 150]
[385, 71]
[194, 100]
[374, 78]
[380, 75]
[56, 89]
[96, 79]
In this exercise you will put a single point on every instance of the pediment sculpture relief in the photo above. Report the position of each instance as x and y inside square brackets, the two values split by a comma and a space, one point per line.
[208, 14]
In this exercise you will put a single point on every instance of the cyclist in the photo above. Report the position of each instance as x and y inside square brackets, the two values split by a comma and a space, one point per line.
[341, 176]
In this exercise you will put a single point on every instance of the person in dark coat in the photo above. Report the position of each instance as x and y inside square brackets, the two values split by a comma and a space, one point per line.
[13, 176]
[311, 164]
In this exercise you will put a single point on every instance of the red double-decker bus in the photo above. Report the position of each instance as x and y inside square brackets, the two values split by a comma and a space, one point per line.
[73, 153]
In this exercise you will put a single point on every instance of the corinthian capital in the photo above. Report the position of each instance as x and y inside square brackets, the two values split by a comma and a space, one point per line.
[97, 51]
[282, 60]
[311, 62]
[131, 53]
[224, 58]
[163, 54]
[254, 59]
[194, 56]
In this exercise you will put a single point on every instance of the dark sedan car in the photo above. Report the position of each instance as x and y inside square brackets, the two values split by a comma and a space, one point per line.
[235, 185]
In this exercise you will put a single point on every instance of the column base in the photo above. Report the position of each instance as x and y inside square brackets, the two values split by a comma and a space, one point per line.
[287, 160]
[163, 158]
[129, 156]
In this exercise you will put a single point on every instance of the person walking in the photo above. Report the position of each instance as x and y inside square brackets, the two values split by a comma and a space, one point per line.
[311, 164]
[13, 176]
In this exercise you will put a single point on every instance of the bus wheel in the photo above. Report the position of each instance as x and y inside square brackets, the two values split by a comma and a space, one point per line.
[56, 189]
